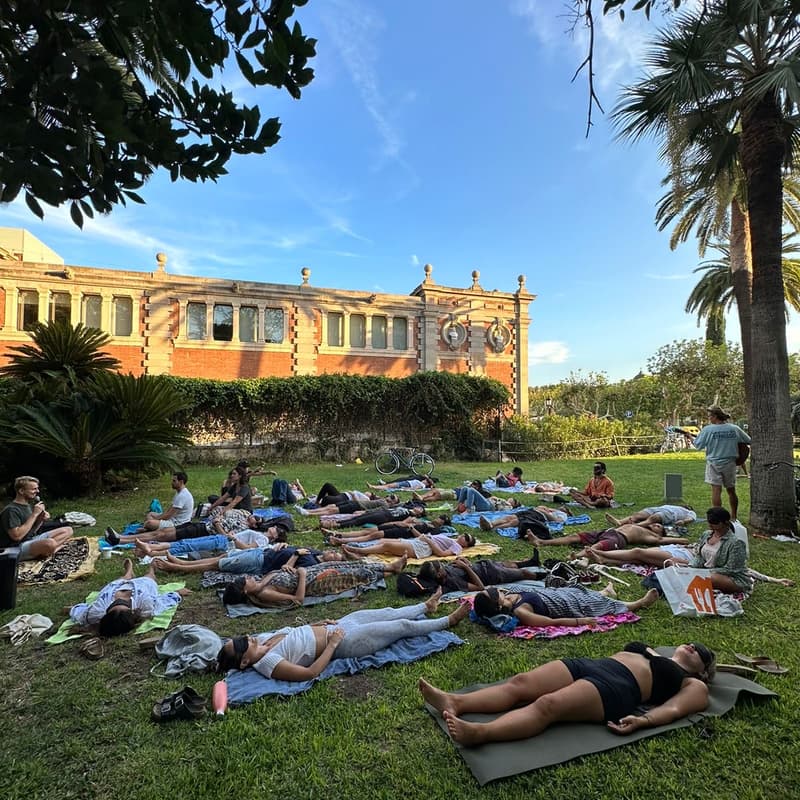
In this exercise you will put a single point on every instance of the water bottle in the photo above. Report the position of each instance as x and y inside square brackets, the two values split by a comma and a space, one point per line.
[219, 698]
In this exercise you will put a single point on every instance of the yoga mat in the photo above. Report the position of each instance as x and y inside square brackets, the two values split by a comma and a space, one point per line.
[566, 741]
[162, 620]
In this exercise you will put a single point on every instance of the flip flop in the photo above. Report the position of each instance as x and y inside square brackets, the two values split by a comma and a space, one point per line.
[92, 648]
[772, 667]
[752, 660]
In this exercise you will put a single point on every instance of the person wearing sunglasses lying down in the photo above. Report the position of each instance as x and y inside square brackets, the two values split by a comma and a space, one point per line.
[583, 690]
[300, 654]
[122, 604]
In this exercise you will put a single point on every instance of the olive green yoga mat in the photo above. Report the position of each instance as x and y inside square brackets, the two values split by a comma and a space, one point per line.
[566, 741]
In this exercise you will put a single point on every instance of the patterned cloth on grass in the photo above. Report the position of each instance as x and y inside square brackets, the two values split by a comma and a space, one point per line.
[75, 559]
[517, 631]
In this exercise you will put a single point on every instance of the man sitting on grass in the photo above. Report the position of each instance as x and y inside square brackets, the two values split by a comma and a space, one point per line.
[21, 523]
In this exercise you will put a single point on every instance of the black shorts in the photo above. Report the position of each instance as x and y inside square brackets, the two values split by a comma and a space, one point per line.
[190, 530]
[617, 685]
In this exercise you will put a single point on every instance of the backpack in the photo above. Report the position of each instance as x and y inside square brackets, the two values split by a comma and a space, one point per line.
[187, 648]
[409, 584]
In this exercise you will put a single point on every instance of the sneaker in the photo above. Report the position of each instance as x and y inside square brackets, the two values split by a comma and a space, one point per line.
[485, 524]
[300, 510]
[112, 537]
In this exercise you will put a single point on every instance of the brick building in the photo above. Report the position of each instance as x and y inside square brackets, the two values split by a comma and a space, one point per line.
[162, 323]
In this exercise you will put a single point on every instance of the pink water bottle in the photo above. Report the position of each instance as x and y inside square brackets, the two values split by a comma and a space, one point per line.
[219, 697]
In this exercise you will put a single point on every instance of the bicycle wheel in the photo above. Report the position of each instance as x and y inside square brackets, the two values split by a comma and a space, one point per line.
[387, 463]
[422, 464]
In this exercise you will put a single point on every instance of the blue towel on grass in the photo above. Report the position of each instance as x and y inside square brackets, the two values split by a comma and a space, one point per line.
[247, 685]
[473, 521]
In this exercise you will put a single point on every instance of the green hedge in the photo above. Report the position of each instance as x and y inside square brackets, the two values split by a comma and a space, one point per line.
[577, 437]
[336, 411]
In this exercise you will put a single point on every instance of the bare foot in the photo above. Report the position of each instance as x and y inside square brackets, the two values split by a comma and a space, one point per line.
[399, 564]
[160, 565]
[174, 559]
[535, 540]
[142, 549]
[613, 520]
[432, 603]
[416, 496]
[609, 591]
[466, 733]
[127, 567]
[352, 551]
[440, 700]
[650, 598]
[460, 613]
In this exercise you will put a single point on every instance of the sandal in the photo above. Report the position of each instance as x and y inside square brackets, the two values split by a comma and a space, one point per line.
[764, 663]
[185, 704]
[92, 648]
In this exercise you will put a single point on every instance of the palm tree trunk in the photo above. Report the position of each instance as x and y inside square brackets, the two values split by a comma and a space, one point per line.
[772, 507]
[742, 277]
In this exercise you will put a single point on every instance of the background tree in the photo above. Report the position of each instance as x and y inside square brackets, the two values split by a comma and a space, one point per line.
[737, 62]
[68, 417]
[96, 96]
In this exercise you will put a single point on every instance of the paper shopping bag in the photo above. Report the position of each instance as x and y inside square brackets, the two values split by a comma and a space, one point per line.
[689, 592]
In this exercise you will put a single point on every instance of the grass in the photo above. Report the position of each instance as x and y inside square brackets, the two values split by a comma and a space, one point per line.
[80, 729]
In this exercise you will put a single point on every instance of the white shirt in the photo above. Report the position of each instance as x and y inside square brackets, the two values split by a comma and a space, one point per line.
[184, 502]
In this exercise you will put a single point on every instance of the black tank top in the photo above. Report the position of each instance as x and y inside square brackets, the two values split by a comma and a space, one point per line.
[667, 675]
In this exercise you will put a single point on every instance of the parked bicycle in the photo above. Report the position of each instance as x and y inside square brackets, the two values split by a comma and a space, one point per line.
[392, 459]
[675, 440]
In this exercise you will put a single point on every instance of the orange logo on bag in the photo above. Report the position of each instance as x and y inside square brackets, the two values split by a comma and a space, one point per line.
[701, 593]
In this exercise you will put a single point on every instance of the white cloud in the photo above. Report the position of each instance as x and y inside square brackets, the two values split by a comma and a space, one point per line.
[354, 30]
[548, 353]
[672, 277]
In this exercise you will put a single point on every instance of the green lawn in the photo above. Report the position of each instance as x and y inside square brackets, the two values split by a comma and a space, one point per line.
[80, 729]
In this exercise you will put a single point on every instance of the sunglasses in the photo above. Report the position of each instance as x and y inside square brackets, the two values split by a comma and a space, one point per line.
[705, 654]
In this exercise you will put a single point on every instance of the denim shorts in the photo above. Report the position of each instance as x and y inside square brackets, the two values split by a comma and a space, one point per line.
[243, 562]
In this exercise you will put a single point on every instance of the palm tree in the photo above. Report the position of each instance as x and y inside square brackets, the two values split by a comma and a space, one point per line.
[734, 65]
[60, 355]
[713, 295]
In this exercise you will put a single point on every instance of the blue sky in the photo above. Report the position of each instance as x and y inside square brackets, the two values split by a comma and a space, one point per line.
[443, 132]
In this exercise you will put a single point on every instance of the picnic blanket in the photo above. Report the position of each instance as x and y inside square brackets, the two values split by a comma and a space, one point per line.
[566, 741]
[69, 630]
[473, 521]
[75, 559]
[244, 686]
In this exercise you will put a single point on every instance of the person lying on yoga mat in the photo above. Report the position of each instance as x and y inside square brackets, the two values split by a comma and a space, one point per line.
[463, 576]
[122, 604]
[427, 544]
[300, 654]
[347, 502]
[273, 536]
[376, 516]
[258, 561]
[403, 529]
[291, 586]
[612, 538]
[568, 606]
[526, 519]
[666, 515]
[413, 482]
[583, 690]
[221, 522]
[666, 556]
